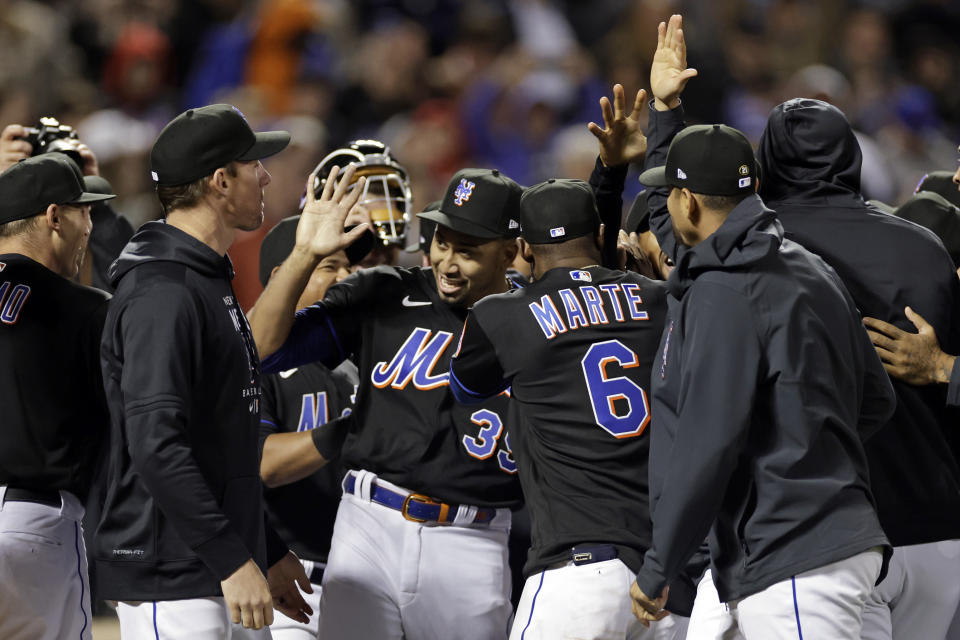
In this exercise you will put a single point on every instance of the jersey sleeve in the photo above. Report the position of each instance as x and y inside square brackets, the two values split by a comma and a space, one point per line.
[327, 331]
[161, 350]
[475, 371]
[270, 411]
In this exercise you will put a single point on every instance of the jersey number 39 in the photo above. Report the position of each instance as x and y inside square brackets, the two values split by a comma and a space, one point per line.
[619, 404]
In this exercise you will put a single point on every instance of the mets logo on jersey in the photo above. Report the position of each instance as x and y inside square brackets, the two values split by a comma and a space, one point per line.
[414, 362]
[463, 192]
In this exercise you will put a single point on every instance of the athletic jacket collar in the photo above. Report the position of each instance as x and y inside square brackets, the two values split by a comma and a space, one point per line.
[750, 233]
[159, 241]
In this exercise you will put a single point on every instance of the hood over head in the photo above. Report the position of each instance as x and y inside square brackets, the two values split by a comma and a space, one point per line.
[808, 149]
[159, 241]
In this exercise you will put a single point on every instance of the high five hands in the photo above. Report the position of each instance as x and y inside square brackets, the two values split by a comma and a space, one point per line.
[668, 71]
[320, 230]
[621, 140]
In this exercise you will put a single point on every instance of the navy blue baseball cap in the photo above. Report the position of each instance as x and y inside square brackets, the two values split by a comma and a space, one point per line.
[483, 203]
[30, 186]
[558, 210]
[199, 141]
[712, 159]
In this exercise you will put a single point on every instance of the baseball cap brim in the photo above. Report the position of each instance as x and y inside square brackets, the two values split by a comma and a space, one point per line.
[459, 224]
[95, 189]
[655, 177]
[268, 143]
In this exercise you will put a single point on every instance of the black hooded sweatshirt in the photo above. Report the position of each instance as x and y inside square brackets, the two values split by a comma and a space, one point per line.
[765, 384]
[183, 507]
[810, 168]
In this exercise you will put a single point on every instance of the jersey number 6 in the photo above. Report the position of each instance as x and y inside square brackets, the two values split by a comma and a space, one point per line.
[620, 405]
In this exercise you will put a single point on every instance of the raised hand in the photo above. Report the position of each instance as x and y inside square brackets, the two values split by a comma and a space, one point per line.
[621, 140]
[668, 71]
[320, 230]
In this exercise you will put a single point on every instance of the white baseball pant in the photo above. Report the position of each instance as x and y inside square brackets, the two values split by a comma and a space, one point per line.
[191, 619]
[826, 602]
[389, 578]
[919, 595]
[44, 585]
[586, 602]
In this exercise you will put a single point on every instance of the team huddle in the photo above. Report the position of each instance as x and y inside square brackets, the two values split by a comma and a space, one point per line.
[688, 406]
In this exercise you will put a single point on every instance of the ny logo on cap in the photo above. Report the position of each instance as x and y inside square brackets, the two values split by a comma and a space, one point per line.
[680, 174]
[463, 192]
[557, 232]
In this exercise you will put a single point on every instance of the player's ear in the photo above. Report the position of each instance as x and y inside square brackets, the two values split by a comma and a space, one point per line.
[525, 251]
[53, 217]
[598, 238]
[218, 181]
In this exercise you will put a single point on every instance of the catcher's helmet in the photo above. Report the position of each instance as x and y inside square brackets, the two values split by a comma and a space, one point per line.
[387, 193]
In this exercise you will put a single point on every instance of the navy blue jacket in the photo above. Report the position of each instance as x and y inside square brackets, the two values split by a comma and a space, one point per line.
[183, 507]
[810, 168]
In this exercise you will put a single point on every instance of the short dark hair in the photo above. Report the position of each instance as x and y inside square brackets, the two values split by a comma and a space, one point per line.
[722, 203]
[184, 196]
[18, 227]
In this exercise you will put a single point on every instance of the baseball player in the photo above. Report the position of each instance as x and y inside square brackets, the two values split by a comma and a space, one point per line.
[182, 542]
[299, 435]
[55, 415]
[419, 548]
[810, 159]
[768, 460]
[581, 444]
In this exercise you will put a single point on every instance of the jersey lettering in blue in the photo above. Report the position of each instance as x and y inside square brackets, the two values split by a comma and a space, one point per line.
[588, 308]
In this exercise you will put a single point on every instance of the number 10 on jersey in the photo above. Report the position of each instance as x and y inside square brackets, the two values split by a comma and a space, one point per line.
[619, 404]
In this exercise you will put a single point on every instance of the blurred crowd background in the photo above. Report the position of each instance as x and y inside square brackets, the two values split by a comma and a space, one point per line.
[506, 84]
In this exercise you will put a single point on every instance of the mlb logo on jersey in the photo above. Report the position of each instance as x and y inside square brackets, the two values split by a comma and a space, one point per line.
[463, 192]
[744, 182]
[558, 232]
[582, 276]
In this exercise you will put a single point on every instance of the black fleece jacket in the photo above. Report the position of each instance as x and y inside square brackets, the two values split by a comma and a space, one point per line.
[183, 508]
[810, 167]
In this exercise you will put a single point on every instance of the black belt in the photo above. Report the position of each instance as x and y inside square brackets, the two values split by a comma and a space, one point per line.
[316, 574]
[49, 497]
[590, 553]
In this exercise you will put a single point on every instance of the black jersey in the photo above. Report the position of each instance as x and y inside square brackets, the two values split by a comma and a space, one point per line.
[576, 347]
[408, 429]
[54, 412]
[302, 399]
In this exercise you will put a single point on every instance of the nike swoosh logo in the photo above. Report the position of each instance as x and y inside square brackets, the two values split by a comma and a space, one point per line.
[407, 302]
[289, 372]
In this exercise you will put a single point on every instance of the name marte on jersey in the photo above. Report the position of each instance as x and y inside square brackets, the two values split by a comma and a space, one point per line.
[588, 305]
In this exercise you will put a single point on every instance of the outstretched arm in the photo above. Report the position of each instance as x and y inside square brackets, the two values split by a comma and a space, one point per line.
[319, 234]
[668, 77]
